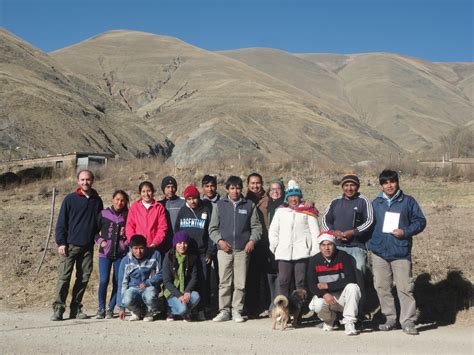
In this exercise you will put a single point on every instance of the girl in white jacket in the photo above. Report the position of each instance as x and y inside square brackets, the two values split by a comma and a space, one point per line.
[292, 234]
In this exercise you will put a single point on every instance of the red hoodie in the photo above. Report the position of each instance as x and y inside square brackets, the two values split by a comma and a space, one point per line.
[150, 223]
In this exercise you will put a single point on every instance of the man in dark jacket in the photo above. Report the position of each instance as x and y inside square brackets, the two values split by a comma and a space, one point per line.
[332, 282]
[398, 218]
[75, 231]
[180, 278]
[235, 227]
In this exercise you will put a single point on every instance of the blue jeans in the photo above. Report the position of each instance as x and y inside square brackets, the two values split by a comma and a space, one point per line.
[141, 301]
[105, 265]
[180, 309]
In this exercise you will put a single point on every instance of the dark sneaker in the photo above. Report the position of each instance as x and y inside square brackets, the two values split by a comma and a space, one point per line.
[109, 314]
[410, 329]
[76, 312]
[100, 314]
[387, 326]
[57, 314]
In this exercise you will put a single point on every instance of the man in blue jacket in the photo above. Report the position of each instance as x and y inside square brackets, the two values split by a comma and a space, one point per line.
[75, 231]
[139, 281]
[398, 218]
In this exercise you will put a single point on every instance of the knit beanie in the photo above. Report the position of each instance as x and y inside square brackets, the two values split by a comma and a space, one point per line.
[191, 191]
[293, 190]
[179, 237]
[168, 180]
[350, 177]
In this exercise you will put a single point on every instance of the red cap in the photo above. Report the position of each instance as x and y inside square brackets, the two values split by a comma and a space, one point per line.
[191, 191]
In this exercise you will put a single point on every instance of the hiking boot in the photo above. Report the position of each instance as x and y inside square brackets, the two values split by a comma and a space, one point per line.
[109, 314]
[187, 318]
[134, 317]
[221, 317]
[76, 312]
[349, 329]
[100, 314]
[57, 314]
[388, 325]
[409, 328]
[237, 317]
[170, 318]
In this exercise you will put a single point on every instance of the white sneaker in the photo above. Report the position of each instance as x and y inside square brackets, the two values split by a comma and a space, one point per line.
[237, 317]
[150, 317]
[328, 327]
[221, 317]
[349, 329]
[134, 317]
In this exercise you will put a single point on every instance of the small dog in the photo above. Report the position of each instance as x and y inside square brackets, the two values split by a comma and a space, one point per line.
[288, 308]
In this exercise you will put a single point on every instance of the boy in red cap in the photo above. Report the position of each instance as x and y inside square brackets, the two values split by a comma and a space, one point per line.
[194, 218]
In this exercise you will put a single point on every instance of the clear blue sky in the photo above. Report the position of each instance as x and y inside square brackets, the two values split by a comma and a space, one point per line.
[436, 30]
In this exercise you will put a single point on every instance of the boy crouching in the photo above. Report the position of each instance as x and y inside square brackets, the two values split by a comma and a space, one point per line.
[140, 279]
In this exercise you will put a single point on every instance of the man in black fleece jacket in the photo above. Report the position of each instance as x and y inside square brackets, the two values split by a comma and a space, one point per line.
[75, 231]
[332, 282]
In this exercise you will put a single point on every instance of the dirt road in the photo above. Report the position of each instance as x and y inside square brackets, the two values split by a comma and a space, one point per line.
[31, 331]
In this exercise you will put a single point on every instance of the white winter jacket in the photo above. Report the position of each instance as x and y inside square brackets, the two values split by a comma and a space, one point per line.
[293, 235]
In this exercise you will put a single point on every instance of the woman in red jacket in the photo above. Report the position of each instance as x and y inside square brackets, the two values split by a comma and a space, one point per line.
[147, 217]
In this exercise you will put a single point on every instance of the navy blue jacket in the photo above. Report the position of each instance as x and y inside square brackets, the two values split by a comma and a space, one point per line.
[412, 221]
[78, 219]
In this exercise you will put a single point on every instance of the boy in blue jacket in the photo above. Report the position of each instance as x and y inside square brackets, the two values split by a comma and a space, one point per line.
[139, 281]
[398, 218]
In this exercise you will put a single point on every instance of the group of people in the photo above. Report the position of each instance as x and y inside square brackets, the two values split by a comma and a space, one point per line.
[171, 255]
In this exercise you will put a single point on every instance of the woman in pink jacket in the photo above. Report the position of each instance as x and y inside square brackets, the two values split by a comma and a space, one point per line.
[147, 217]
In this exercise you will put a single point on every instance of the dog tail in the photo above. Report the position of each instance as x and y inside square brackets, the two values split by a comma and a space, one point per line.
[281, 300]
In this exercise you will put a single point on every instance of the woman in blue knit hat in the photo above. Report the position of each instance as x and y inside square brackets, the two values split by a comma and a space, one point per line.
[292, 234]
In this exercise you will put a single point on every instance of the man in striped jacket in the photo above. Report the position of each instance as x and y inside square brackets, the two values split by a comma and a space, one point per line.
[332, 282]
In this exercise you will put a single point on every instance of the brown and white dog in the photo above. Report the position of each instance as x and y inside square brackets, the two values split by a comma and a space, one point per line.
[288, 308]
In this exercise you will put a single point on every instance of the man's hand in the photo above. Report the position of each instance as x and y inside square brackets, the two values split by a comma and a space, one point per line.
[249, 246]
[185, 298]
[207, 259]
[62, 250]
[348, 234]
[142, 286]
[339, 235]
[399, 233]
[329, 299]
[322, 286]
[308, 204]
[121, 314]
[225, 246]
[103, 244]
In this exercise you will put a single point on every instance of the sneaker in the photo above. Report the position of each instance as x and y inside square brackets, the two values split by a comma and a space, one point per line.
[76, 312]
[57, 314]
[109, 314]
[329, 327]
[201, 316]
[237, 317]
[134, 317]
[409, 328]
[170, 318]
[100, 314]
[388, 325]
[187, 318]
[349, 329]
[150, 317]
[221, 317]
[265, 314]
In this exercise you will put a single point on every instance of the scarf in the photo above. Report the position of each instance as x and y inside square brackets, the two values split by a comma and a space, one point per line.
[179, 277]
[311, 211]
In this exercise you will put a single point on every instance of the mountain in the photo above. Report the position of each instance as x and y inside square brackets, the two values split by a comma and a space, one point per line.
[46, 109]
[213, 106]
